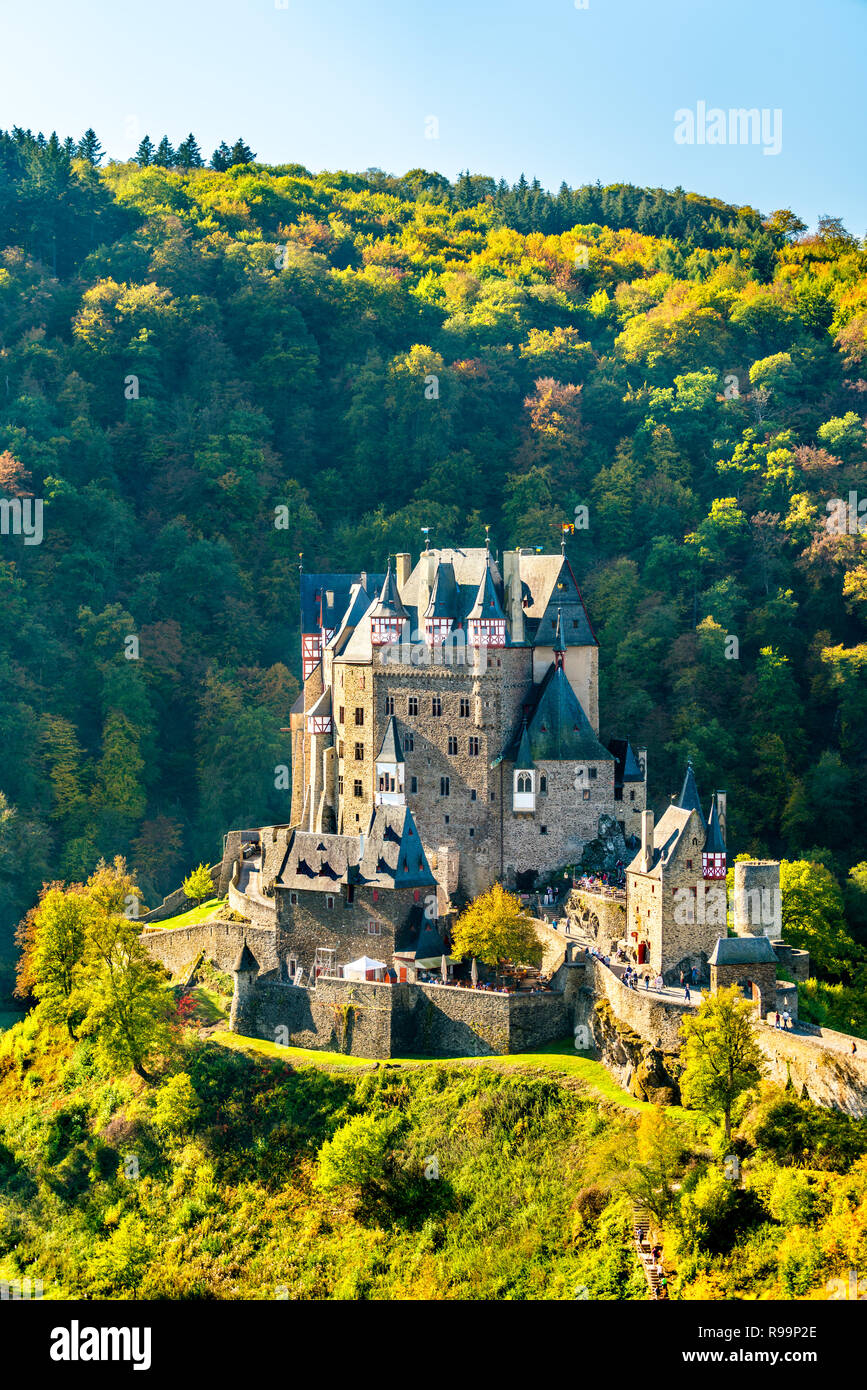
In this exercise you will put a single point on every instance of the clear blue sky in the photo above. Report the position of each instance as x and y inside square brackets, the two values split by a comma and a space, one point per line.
[538, 86]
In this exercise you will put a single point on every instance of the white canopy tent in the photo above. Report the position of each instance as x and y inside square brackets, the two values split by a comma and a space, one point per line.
[364, 969]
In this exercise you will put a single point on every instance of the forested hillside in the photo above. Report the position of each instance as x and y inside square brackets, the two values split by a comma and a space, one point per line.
[185, 350]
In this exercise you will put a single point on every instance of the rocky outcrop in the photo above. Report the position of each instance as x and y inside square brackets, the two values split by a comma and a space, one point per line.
[601, 855]
[642, 1069]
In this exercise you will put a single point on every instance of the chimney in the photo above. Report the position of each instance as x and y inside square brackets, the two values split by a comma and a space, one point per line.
[721, 812]
[428, 568]
[402, 567]
[512, 586]
[646, 841]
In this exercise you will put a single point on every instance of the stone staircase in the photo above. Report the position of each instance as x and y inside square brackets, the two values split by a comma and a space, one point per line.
[641, 1220]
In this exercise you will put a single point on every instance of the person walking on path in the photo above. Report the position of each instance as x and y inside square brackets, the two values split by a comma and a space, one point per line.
[777, 1021]
[686, 999]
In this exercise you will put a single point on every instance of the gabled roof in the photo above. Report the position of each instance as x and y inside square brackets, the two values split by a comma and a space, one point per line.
[487, 603]
[714, 844]
[667, 835]
[689, 798]
[444, 598]
[389, 604]
[390, 750]
[316, 588]
[316, 861]
[393, 853]
[742, 950]
[557, 727]
[552, 585]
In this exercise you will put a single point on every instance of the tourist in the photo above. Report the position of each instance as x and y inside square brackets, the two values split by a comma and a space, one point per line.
[787, 1019]
[686, 999]
[777, 1019]
[647, 982]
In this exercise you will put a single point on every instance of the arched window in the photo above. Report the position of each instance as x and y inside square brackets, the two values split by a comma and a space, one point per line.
[525, 784]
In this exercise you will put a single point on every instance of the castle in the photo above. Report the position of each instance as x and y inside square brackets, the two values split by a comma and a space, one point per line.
[470, 696]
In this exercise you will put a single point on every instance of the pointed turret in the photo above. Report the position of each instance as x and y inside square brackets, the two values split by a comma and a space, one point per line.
[486, 620]
[388, 613]
[245, 962]
[689, 799]
[713, 859]
[524, 757]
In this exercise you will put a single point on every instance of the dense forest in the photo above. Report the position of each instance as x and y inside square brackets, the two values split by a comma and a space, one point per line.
[189, 355]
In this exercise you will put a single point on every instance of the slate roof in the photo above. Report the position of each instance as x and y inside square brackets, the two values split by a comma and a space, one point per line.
[390, 855]
[714, 844]
[742, 950]
[393, 853]
[689, 798]
[389, 604]
[557, 727]
[667, 833]
[390, 750]
[339, 586]
[245, 960]
[627, 767]
[444, 596]
[487, 603]
[523, 757]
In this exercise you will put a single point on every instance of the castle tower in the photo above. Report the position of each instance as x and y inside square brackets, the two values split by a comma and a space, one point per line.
[245, 970]
[758, 907]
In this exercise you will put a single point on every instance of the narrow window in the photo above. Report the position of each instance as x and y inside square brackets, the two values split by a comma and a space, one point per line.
[543, 783]
[444, 786]
[329, 903]
[473, 746]
[409, 742]
[465, 707]
[359, 752]
[413, 784]
[357, 788]
[359, 715]
[389, 704]
[436, 706]
[412, 705]
[340, 786]
[341, 715]
[453, 745]
[473, 794]
[543, 830]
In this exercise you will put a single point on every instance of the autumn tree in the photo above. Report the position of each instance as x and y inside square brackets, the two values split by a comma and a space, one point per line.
[720, 1053]
[494, 929]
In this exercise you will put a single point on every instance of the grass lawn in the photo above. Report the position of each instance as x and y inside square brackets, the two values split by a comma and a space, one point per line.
[210, 1004]
[194, 915]
[554, 1057]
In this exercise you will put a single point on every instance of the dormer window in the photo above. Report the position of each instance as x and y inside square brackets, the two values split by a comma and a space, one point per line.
[384, 630]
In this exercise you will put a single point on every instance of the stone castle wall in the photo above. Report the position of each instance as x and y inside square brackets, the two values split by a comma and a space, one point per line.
[656, 1021]
[823, 1063]
[366, 1019]
[177, 947]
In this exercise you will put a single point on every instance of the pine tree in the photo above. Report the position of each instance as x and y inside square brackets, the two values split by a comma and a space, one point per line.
[89, 148]
[221, 158]
[144, 155]
[165, 155]
[241, 153]
[188, 155]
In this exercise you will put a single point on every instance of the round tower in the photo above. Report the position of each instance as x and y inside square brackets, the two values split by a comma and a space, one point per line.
[245, 971]
[758, 901]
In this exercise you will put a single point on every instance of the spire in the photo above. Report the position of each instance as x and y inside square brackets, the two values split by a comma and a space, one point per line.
[245, 961]
[559, 644]
[524, 759]
[389, 604]
[714, 844]
[689, 799]
[487, 602]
